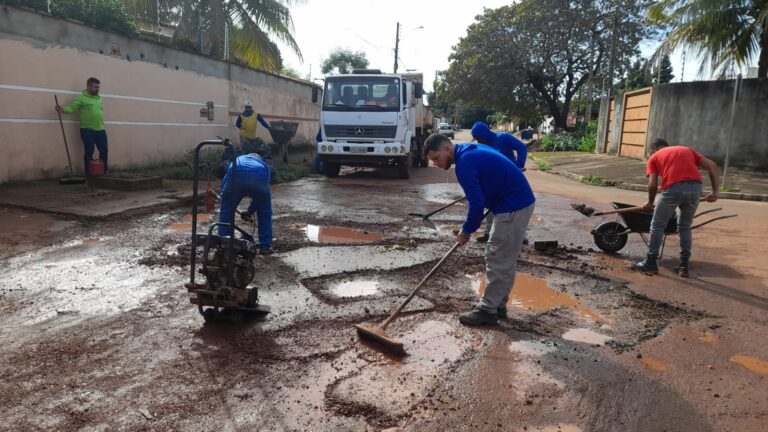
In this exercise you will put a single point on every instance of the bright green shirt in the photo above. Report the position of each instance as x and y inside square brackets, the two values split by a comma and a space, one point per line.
[91, 111]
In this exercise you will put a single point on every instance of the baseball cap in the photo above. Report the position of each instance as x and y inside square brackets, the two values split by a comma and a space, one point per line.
[248, 103]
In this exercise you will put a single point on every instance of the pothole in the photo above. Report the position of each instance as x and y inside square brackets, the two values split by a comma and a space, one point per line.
[587, 336]
[355, 288]
[340, 235]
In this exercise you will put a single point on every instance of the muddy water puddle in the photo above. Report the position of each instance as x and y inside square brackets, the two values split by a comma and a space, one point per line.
[339, 235]
[531, 348]
[587, 336]
[753, 364]
[532, 293]
[355, 288]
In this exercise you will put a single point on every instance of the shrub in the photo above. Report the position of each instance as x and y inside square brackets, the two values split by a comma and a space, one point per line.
[560, 142]
[589, 139]
[107, 15]
[543, 165]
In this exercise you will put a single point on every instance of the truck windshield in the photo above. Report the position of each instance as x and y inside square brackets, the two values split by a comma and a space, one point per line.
[361, 93]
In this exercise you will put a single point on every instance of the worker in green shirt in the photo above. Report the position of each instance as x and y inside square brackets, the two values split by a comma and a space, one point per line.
[92, 132]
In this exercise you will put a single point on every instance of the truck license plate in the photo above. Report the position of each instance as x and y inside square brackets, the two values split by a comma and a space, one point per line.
[358, 149]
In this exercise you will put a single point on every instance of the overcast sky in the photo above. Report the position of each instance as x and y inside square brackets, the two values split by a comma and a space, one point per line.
[369, 26]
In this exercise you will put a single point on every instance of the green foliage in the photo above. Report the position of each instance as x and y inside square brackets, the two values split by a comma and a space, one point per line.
[343, 61]
[534, 56]
[110, 15]
[560, 142]
[289, 172]
[290, 72]
[717, 31]
[543, 165]
[596, 180]
[589, 139]
[640, 75]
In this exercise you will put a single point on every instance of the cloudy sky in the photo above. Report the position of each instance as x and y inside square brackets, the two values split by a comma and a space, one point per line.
[369, 26]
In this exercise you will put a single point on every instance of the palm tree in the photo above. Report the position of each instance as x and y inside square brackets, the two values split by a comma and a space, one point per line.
[251, 24]
[719, 31]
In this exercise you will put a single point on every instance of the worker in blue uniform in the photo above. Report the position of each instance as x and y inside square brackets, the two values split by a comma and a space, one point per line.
[490, 181]
[506, 144]
[251, 180]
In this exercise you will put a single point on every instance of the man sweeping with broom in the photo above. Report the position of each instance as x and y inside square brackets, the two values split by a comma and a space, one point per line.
[490, 180]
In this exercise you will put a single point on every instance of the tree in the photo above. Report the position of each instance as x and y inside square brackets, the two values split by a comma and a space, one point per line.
[719, 31]
[289, 72]
[110, 15]
[252, 24]
[343, 61]
[641, 75]
[538, 53]
[664, 75]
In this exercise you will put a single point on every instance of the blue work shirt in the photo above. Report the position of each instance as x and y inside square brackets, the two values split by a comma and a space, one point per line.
[490, 181]
[252, 172]
[504, 143]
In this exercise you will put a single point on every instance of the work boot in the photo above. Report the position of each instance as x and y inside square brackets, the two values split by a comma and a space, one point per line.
[648, 266]
[682, 268]
[484, 238]
[266, 251]
[501, 312]
[478, 317]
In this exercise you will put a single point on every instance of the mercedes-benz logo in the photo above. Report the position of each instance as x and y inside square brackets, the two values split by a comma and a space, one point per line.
[359, 131]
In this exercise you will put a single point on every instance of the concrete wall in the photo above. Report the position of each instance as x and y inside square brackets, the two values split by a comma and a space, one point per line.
[697, 115]
[152, 97]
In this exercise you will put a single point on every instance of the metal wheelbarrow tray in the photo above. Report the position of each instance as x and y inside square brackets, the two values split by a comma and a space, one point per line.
[612, 236]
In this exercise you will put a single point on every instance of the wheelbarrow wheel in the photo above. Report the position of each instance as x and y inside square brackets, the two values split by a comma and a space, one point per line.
[607, 239]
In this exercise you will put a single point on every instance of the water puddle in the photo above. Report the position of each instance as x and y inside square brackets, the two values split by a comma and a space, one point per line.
[708, 337]
[753, 364]
[180, 227]
[355, 288]
[339, 235]
[655, 364]
[531, 348]
[532, 293]
[586, 336]
[537, 219]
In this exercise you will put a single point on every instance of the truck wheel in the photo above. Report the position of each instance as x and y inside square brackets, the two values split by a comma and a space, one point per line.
[332, 169]
[402, 167]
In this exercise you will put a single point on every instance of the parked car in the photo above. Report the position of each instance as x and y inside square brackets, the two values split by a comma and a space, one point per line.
[445, 129]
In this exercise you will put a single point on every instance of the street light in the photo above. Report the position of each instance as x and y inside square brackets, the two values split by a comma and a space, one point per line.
[397, 40]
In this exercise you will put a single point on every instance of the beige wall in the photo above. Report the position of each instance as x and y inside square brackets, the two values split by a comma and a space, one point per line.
[151, 110]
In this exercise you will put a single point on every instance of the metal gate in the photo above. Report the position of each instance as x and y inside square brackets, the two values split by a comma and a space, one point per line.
[634, 123]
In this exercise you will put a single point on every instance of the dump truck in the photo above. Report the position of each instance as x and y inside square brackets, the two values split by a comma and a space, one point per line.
[370, 118]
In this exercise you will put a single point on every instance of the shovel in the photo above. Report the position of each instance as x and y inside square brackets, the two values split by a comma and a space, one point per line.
[68, 179]
[425, 218]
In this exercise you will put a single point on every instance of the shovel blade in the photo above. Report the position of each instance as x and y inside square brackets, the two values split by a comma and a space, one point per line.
[380, 339]
[428, 223]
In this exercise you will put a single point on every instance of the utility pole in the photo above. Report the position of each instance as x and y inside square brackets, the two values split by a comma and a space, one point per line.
[397, 44]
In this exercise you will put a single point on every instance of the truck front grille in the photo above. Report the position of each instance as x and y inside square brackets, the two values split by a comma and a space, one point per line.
[344, 131]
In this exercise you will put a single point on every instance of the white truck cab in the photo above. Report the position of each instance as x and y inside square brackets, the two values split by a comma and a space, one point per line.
[369, 118]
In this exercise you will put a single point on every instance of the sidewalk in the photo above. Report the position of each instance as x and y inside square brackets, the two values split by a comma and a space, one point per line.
[49, 196]
[626, 173]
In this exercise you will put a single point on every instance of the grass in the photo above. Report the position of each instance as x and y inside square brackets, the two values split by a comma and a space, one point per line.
[544, 155]
[596, 180]
[543, 165]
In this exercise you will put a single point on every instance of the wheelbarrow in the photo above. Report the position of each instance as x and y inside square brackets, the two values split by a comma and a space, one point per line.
[612, 236]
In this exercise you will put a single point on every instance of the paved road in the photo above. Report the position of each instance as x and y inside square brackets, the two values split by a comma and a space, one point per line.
[98, 333]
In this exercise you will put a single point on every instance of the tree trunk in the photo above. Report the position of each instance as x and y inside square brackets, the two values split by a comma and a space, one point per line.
[762, 64]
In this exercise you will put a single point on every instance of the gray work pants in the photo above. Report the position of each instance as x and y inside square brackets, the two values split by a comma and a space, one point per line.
[685, 195]
[501, 251]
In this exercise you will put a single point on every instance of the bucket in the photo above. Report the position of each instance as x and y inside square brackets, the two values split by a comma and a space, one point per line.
[95, 167]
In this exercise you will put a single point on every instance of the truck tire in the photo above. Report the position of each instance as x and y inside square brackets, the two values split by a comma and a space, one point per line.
[403, 165]
[332, 169]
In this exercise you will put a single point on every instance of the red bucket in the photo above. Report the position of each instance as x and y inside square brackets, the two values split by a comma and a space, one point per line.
[95, 167]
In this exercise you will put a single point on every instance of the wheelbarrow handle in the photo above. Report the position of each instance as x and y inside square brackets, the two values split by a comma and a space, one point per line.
[640, 208]
[445, 207]
[714, 219]
[707, 211]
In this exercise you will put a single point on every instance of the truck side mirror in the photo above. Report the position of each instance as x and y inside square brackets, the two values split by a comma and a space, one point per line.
[418, 90]
[315, 94]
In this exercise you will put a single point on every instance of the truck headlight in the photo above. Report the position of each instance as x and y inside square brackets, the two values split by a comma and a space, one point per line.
[330, 148]
[386, 149]
[323, 148]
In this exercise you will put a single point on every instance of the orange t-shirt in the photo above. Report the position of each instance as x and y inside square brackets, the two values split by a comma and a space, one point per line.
[674, 164]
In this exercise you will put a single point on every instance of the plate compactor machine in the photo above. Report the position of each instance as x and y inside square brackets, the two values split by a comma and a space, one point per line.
[227, 262]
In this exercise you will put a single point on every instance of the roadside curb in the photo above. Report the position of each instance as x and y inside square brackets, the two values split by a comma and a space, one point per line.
[644, 188]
